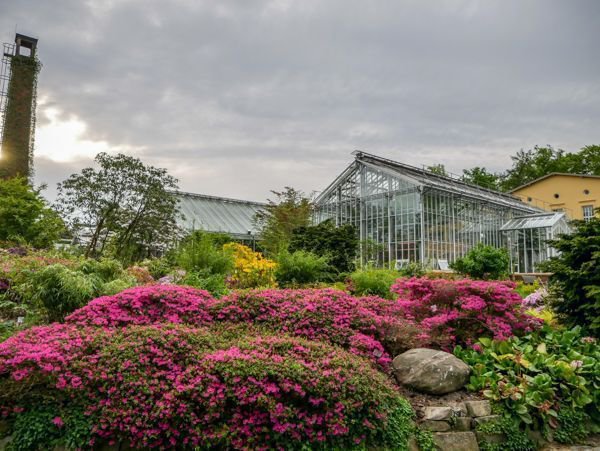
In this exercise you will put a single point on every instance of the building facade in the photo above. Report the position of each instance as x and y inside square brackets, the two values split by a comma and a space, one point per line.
[406, 214]
[578, 196]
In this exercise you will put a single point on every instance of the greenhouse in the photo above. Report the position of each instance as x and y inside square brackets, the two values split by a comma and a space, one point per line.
[407, 214]
[527, 239]
[219, 214]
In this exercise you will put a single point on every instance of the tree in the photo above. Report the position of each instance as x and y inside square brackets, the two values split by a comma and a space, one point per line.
[481, 177]
[128, 207]
[438, 169]
[576, 276]
[280, 217]
[338, 244]
[25, 216]
[540, 161]
[533, 164]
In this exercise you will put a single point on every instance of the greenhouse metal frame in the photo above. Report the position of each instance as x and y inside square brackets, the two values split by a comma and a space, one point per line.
[406, 214]
[528, 236]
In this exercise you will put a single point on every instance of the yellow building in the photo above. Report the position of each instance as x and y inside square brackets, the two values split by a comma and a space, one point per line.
[576, 195]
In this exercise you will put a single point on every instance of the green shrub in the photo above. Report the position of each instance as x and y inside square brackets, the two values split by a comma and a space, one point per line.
[105, 269]
[373, 281]
[300, 268]
[413, 269]
[158, 267]
[338, 244]
[576, 277]
[548, 380]
[483, 262]
[213, 283]
[202, 252]
[116, 286]
[61, 290]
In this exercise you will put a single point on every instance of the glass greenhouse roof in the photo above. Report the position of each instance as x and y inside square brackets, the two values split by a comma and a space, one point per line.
[422, 177]
[538, 221]
[218, 214]
[445, 183]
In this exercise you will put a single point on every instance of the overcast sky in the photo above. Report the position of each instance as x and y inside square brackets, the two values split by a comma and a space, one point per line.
[236, 98]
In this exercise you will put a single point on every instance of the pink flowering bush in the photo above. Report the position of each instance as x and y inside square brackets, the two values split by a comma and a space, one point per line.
[370, 326]
[147, 305]
[178, 386]
[462, 311]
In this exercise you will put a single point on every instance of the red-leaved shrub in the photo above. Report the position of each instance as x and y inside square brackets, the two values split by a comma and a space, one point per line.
[176, 386]
[462, 311]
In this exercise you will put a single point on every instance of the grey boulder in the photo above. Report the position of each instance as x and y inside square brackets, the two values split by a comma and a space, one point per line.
[430, 371]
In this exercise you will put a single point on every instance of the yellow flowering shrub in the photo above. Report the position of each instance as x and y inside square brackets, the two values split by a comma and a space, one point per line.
[251, 269]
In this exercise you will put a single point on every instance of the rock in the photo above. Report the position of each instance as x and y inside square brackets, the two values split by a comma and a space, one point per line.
[435, 426]
[413, 445]
[429, 371]
[478, 408]
[437, 413]
[491, 438]
[460, 410]
[486, 419]
[462, 423]
[456, 441]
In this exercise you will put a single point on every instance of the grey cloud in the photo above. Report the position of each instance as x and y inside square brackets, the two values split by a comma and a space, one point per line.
[237, 98]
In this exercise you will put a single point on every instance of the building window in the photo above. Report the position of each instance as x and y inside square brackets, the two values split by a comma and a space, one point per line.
[586, 191]
[529, 199]
[588, 212]
[556, 196]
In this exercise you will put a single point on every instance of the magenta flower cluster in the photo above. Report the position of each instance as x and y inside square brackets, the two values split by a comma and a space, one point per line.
[178, 386]
[462, 311]
[147, 305]
[363, 326]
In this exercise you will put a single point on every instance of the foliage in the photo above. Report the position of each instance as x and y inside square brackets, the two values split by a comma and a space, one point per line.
[61, 290]
[483, 262]
[158, 386]
[338, 244]
[525, 289]
[548, 380]
[537, 162]
[251, 269]
[372, 281]
[412, 269]
[576, 277]
[438, 169]
[280, 217]
[128, 206]
[25, 216]
[203, 253]
[300, 268]
[481, 177]
[157, 267]
[41, 286]
[215, 284]
[515, 439]
[459, 312]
